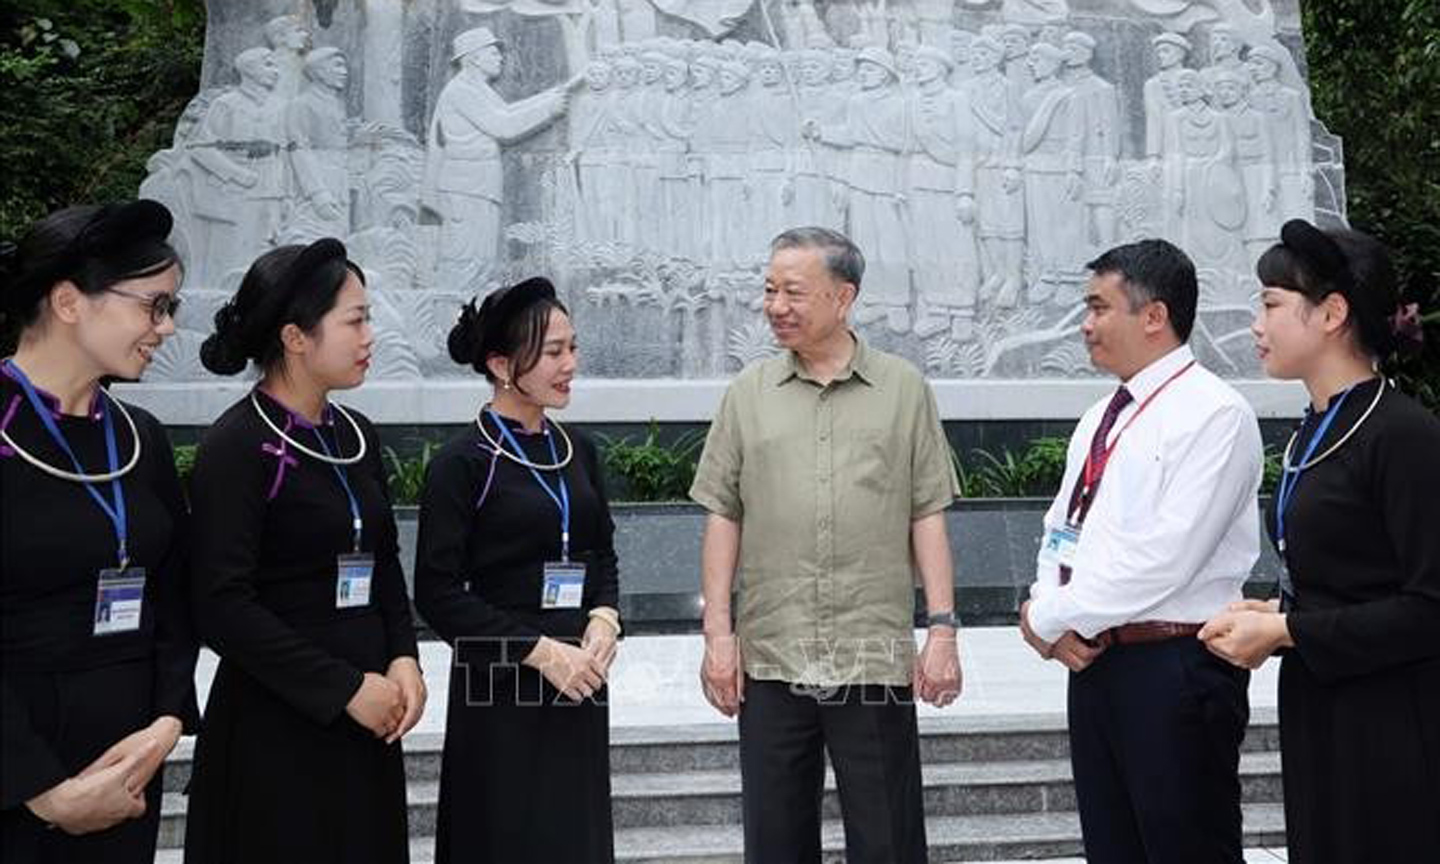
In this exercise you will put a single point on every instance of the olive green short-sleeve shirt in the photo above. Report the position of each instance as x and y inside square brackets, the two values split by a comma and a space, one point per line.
[825, 482]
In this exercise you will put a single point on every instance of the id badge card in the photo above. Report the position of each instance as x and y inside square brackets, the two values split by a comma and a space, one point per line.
[1060, 545]
[564, 585]
[119, 600]
[353, 574]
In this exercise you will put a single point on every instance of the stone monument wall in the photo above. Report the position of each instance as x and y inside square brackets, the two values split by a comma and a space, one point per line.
[642, 153]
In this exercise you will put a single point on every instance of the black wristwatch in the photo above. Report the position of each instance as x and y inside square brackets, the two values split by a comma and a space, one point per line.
[940, 619]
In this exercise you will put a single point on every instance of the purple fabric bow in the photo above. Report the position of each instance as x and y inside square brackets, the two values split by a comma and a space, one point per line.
[283, 459]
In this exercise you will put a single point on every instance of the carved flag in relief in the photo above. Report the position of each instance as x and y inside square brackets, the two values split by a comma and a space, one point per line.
[716, 16]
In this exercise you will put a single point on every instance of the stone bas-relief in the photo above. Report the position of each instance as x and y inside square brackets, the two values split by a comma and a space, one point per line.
[643, 152]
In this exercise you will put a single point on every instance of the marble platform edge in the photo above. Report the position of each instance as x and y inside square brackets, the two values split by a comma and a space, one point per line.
[615, 400]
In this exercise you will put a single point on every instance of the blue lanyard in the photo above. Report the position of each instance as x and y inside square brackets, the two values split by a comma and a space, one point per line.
[115, 512]
[357, 523]
[1290, 477]
[562, 500]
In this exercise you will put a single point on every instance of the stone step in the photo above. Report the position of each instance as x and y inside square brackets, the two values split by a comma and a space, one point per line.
[951, 838]
[712, 747]
[705, 799]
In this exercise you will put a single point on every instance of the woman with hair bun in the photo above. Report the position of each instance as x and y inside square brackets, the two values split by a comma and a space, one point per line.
[1354, 523]
[516, 569]
[97, 656]
[297, 585]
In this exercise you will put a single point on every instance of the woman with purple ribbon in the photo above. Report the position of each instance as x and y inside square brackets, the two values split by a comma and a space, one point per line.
[297, 585]
[97, 656]
[516, 569]
[1354, 523]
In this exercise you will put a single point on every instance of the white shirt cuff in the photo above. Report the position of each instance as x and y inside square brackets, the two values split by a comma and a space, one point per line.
[1043, 620]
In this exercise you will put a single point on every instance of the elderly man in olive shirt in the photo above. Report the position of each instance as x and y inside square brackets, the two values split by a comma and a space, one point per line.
[827, 475]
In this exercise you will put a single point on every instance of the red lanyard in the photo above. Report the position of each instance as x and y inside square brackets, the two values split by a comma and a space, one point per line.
[1093, 472]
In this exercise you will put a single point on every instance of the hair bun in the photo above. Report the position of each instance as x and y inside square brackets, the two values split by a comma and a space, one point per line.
[464, 339]
[222, 352]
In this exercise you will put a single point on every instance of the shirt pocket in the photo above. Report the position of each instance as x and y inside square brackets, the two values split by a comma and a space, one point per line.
[868, 459]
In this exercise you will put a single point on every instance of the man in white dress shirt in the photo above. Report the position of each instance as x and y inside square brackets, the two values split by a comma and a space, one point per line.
[1155, 528]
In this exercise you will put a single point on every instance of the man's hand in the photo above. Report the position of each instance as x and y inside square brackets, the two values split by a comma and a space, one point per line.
[1074, 652]
[1045, 649]
[937, 677]
[722, 675]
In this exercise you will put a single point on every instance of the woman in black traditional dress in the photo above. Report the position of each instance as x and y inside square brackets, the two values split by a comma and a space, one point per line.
[1354, 520]
[97, 651]
[298, 587]
[516, 570]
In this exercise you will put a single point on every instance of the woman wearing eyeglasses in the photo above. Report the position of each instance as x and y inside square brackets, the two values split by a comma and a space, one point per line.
[1354, 521]
[515, 567]
[98, 656]
[298, 587]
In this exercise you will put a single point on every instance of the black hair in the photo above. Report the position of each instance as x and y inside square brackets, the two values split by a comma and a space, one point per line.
[92, 246]
[510, 322]
[843, 258]
[1155, 270]
[287, 285]
[1318, 263]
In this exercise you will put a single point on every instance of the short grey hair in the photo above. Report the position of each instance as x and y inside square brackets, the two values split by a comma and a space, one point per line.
[843, 258]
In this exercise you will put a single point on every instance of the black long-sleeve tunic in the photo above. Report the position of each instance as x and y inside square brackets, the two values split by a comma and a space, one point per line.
[281, 772]
[68, 694]
[1360, 692]
[517, 755]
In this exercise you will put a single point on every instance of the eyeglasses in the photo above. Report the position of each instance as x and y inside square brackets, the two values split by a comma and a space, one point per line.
[160, 306]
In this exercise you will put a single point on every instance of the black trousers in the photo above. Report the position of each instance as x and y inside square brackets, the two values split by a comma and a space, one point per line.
[1155, 734]
[870, 734]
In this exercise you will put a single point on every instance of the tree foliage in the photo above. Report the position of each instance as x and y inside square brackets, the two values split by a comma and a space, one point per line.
[92, 88]
[1375, 81]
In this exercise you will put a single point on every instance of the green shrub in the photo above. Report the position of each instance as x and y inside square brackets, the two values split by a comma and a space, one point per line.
[406, 477]
[1036, 471]
[650, 470]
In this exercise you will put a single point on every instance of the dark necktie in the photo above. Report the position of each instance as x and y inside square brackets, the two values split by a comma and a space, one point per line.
[1078, 508]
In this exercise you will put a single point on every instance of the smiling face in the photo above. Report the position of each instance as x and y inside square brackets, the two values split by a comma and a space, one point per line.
[804, 303]
[547, 384]
[336, 353]
[115, 332]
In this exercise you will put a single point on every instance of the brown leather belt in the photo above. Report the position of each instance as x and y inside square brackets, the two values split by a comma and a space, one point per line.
[1141, 632]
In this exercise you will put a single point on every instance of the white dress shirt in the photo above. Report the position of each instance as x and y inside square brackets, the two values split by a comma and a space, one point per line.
[1174, 528]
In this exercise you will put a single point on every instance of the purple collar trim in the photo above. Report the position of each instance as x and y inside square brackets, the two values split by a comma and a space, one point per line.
[5, 450]
[53, 402]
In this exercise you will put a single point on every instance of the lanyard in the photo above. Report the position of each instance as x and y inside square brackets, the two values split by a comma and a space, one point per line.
[1290, 476]
[562, 500]
[115, 511]
[1095, 471]
[357, 524]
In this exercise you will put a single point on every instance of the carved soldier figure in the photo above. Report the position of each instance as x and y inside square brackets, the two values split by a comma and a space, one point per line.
[776, 135]
[635, 154]
[1097, 110]
[1202, 187]
[1225, 45]
[1289, 118]
[814, 202]
[727, 192]
[942, 233]
[875, 133]
[595, 142]
[316, 125]
[676, 194]
[1019, 78]
[1254, 157]
[237, 148]
[1171, 49]
[289, 41]
[464, 180]
[998, 200]
[1052, 145]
